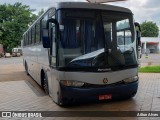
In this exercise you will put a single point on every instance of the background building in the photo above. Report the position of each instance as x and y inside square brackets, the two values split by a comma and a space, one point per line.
[150, 44]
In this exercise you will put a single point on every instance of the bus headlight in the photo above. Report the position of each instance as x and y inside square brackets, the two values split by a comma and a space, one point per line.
[71, 83]
[131, 79]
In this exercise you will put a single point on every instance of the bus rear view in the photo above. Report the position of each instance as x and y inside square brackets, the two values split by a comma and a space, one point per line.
[93, 49]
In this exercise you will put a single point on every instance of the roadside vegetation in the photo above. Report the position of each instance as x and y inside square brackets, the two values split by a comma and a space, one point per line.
[14, 21]
[149, 29]
[150, 69]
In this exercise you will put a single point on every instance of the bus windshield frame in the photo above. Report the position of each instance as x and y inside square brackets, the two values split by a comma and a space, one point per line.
[96, 39]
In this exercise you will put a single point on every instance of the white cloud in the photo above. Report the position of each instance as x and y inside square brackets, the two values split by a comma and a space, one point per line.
[143, 9]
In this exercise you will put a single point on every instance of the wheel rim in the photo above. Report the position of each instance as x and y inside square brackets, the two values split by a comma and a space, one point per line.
[45, 86]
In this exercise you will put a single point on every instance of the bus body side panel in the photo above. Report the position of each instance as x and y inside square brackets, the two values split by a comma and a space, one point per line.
[42, 61]
[31, 60]
[36, 58]
[55, 85]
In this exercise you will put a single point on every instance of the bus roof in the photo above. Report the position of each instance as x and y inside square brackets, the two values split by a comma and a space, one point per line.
[103, 1]
[86, 5]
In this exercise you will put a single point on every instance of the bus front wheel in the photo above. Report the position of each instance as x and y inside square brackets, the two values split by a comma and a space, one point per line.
[45, 83]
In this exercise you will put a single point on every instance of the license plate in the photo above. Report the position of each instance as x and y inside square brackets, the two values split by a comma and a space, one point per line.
[105, 97]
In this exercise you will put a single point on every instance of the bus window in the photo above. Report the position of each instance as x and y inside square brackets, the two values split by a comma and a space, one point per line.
[38, 32]
[33, 34]
[44, 21]
[51, 13]
[27, 40]
[24, 40]
[30, 37]
[80, 35]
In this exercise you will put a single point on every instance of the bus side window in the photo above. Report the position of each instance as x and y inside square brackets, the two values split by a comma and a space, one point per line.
[38, 32]
[30, 37]
[27, 39]
[33, 34]
[24, 40]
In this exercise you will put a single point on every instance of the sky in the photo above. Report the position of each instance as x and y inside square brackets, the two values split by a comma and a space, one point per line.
[142, 9]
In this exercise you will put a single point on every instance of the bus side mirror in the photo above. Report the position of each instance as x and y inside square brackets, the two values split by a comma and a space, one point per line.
[45, 38]
[138, 33]
[45, 33]
[138, 38]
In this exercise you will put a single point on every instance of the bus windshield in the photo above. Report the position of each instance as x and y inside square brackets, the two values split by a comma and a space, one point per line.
[100, 39]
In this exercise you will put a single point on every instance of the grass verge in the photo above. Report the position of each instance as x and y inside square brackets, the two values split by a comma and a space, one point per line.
[150, 69]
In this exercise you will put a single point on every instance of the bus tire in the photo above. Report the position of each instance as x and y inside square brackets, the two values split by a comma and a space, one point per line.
[130, 96]
[45, 83]
[26, 68]
[59, 100]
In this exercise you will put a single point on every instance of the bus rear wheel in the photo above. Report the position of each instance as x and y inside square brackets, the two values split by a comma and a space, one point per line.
[26, 68]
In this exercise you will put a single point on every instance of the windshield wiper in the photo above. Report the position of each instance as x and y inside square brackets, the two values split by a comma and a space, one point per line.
[115, 57]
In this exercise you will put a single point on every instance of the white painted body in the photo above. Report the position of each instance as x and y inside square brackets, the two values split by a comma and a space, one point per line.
[97, 78]
[37, 59]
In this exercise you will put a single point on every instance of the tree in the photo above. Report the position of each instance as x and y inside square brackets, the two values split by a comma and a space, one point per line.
[149, 29]
[41, 12]
[35, 17]
[14, 20]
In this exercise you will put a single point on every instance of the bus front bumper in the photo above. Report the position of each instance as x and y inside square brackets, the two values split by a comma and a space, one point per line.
[72, 95]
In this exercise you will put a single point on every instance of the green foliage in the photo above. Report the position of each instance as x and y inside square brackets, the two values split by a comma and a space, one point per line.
[39, 14]
[14, 20]
[149, 29]
[150, 69]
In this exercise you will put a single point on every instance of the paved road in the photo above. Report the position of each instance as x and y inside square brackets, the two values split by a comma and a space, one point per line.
[12, 60]
[19, 92]
[152, 59]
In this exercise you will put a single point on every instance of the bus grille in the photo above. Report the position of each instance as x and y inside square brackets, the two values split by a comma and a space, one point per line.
[87, 85]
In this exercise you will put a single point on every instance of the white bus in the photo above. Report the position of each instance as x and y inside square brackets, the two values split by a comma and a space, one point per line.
[73, 52]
